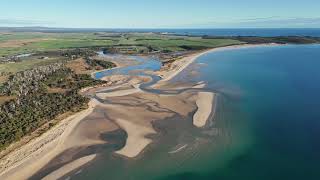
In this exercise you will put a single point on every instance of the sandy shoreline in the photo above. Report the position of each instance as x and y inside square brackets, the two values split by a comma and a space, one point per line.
[180, 65]
[30, 158]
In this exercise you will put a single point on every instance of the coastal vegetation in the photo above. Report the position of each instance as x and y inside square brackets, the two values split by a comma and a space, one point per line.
[34, 97]
[21, 117]
[100, 64]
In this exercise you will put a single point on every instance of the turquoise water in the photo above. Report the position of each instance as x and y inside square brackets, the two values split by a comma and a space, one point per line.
[267, 124]
[271, 97]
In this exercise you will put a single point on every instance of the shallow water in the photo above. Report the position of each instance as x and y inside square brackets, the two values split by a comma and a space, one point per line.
[266, 124]
[145, 64]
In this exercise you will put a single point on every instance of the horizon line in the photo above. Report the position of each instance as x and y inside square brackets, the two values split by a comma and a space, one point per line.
[47, 27]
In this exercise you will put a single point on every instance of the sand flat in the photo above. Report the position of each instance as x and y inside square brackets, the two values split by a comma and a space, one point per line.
[69, 167]
[118, 93]
[204, 103]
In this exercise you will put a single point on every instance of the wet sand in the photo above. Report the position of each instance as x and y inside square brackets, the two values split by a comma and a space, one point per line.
[69, 167]
[118, 93]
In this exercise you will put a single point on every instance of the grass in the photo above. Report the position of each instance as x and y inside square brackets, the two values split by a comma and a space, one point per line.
[19, 36]
[55, 41]
[26, 64]
[176, 44]
[64, 44]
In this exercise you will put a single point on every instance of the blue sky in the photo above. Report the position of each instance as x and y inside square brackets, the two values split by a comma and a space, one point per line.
[161, 13]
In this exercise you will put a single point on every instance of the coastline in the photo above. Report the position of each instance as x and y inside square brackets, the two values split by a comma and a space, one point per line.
[184, 62]
[20, 163]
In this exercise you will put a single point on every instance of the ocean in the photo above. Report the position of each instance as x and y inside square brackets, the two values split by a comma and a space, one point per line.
[264, 32]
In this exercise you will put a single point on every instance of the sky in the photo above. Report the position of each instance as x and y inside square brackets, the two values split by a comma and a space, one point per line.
[161, 13]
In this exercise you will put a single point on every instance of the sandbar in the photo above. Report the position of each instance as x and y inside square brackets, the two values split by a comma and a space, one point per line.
[204, 103]
[136, 140]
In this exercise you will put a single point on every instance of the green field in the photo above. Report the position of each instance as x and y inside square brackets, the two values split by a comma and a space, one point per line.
[19, 43]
